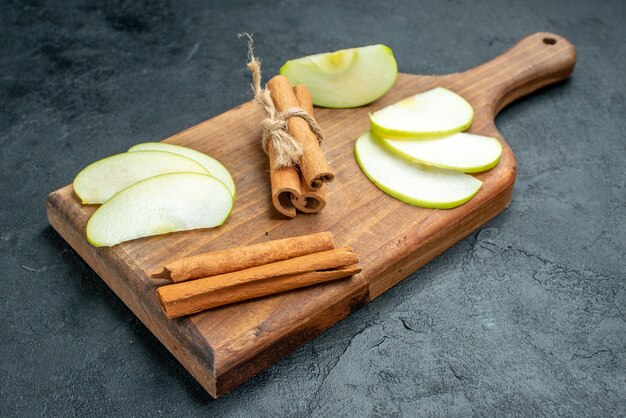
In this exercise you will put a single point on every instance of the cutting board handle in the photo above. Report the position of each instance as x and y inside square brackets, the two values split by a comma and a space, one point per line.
[534, 62]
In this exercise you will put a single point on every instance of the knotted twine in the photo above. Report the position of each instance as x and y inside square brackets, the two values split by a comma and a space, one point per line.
[287, 150]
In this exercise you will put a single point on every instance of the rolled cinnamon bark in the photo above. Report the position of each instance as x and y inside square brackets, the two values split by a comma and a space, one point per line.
[313, 165]
[309, 200]
[286, 186]
[240, 258]
[304, 98]
[194, 296]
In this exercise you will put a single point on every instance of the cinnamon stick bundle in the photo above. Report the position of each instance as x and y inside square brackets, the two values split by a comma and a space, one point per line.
[194, 296]
[314, 168]
[289, 190]
[291, 137]
[240, 258]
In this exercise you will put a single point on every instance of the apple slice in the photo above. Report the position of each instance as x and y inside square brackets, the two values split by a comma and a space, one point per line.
[346, 78]
[214, 167]
[436, 112]
[468, 153]
[419, 185]
[158, 205]
[99, 181]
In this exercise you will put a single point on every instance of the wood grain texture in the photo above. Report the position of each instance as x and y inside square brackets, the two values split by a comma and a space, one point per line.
[223, 347]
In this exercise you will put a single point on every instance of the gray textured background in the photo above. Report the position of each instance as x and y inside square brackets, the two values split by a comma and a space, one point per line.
[525, 317]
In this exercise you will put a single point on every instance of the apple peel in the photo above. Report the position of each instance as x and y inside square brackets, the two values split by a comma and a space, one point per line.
[463, 152]
[214, 167]
[101, 180]
[158, 205]
[416, 184]
[436, 112]
[345, 78]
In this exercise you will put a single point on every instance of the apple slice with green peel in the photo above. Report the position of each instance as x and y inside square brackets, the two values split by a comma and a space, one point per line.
[99, 181]
[416, 184]
[158, 205]
[436, 112]
[468, 153]
[346, 78]
[214, 167]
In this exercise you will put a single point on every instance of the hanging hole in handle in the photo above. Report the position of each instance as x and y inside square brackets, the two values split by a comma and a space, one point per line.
[549, 41]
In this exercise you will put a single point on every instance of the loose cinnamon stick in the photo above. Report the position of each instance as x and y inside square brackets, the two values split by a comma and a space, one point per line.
[309, 200]
[240, 258]
[313, 165]
[227, 293]
[193, 296]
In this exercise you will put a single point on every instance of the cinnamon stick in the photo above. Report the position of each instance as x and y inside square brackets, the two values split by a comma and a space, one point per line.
[304, 98]
[194, 296]
[313, 165]
[240, 258]
[309, 200]
[286, 186]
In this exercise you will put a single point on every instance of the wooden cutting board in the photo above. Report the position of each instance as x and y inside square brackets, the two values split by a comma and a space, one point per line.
[224, 347]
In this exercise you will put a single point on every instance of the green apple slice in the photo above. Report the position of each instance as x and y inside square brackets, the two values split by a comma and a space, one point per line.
[214, 167]
[346, 78]
[158, 205]
[436, 112]
[419, 185]
[468, 153]
[99, 181]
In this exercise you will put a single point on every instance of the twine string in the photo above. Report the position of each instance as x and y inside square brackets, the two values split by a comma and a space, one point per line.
[287, 150]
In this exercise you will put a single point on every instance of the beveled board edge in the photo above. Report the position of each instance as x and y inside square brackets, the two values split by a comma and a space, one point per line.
[298, 335]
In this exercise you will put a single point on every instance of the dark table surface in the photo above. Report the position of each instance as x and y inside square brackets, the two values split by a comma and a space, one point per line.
[525, 317]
